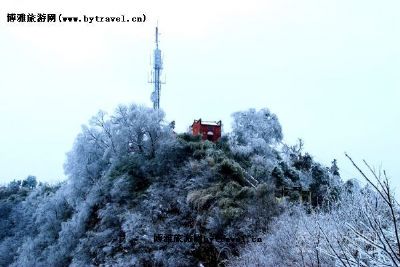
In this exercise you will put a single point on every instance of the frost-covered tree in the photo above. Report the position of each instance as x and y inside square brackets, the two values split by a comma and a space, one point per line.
[368, 234]
[294, 240]
[334, 168]
[255, 134]
[132, 133]
[255, 131]
[360, 229]
[79, 222]
[30, 182]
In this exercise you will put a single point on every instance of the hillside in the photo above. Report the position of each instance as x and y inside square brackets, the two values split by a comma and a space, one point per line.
[139, 194]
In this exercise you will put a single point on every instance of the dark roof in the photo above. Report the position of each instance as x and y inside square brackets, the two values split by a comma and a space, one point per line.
[211, 123]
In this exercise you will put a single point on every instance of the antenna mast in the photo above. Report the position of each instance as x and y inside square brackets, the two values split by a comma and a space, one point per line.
[156, 74]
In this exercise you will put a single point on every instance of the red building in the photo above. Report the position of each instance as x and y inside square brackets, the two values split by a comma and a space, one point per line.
[209, 130]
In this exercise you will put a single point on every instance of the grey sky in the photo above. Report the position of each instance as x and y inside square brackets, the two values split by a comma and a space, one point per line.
[328, 69]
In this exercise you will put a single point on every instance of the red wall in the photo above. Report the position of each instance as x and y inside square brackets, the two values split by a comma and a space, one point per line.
[203, 129]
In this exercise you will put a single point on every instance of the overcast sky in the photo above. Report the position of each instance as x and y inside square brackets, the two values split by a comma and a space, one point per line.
[328, 69]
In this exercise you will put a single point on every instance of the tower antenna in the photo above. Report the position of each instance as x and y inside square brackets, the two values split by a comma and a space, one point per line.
[156, 74]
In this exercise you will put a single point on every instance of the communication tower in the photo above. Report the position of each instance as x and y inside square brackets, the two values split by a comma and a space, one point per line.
[156, 75]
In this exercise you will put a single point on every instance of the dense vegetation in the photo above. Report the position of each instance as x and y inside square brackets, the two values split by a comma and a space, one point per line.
[139, 194]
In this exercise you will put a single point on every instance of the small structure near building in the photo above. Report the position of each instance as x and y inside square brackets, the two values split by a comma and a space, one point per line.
[209, 130]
